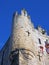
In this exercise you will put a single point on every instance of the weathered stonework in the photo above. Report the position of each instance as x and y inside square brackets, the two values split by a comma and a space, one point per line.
[26, 45]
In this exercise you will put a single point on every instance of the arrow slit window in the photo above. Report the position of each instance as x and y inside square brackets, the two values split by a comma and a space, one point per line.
[39, 41]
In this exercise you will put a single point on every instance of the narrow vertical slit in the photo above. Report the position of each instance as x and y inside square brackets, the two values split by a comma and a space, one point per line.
[39, 41]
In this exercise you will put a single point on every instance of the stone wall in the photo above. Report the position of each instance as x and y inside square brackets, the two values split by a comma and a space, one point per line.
[26, 45]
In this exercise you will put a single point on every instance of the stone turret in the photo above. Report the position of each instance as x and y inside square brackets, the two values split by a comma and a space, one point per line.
[21, 24]
[21, 38]
[26, 45]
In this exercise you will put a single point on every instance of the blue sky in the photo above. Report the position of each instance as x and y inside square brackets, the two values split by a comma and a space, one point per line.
[37, 9]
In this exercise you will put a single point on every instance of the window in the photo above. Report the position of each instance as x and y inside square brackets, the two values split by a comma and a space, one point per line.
[28, 33]
[39, 41]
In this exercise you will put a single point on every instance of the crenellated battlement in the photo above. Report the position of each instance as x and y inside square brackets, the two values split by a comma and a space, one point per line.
[23, 12]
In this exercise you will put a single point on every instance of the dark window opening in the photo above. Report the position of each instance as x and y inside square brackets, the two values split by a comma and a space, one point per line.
[39, 41]
[28, 33]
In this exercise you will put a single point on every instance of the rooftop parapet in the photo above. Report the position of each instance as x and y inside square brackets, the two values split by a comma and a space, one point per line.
[41, 30]
[23, 12]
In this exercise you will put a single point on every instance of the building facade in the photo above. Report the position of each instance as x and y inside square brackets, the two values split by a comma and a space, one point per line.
[26, 44]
